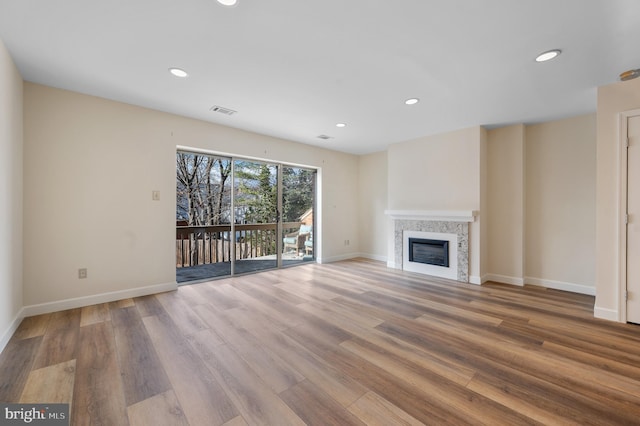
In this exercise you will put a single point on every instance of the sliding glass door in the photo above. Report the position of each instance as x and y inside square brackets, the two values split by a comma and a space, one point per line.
[236, 216]
[203, 216]
[255, 205]
[298, 205]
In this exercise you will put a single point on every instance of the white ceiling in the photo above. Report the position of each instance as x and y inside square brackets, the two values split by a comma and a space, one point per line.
[294, 68]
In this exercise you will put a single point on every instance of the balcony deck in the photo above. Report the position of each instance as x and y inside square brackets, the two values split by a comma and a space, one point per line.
[205, 252]
[223, 269]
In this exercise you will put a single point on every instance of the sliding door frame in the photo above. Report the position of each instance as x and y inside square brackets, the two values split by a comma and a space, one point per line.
[279, 202]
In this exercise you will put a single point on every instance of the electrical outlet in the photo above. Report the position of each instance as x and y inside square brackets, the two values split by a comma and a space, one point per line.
[346, 242]
[82, 273]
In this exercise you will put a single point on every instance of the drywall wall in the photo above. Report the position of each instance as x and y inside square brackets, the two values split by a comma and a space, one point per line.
[90, 168]
[440, 172]
[612, 100]
[484, 212]
[436, 172]
[87, 157]
[505, 187]
[11, 152]
[560, 202]
[372, 202]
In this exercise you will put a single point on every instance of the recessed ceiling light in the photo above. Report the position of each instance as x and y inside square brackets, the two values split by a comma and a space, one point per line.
[228, 2]
[548, 55]
[178, 72]
[341, 125]
[412, 101]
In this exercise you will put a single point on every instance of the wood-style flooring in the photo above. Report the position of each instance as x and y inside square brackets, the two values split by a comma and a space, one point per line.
[347, 343]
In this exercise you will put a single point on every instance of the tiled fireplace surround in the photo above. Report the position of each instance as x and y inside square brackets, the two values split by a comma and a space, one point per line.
[446, 222]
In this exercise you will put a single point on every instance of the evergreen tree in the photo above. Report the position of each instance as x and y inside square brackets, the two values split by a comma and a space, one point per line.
[298, 192]
[257, 191]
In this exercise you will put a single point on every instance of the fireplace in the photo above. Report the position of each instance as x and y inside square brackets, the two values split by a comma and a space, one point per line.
[432, 253]
[452, 226]
[428, 251]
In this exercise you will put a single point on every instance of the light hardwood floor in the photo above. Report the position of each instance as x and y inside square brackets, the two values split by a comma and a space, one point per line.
[338, 344]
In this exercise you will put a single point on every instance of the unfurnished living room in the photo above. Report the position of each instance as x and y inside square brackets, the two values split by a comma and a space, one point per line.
[242, 212]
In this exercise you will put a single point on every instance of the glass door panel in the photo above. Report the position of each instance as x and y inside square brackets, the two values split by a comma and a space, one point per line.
[235, 216]
[255, 208]
[203, 216]
[298, 205]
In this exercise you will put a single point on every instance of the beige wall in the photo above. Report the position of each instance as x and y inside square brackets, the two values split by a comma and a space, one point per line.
[560, 203]
[90, 167]
[440, 172]
[86, 158]
[11, 145]
[505, 183]
[485, 212]
[372, 202]
[612, 100]
[548, 167]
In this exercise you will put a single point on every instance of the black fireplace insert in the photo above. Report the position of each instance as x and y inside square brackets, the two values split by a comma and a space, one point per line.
[430, 252]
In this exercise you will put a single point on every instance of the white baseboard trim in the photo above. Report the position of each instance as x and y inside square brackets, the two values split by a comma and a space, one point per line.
[338, 258]
[560, 285]
[353, 256]
[503, 279]
[473, 279]
[606, 314]
[79, 302]
[377, 257]
[12, 329]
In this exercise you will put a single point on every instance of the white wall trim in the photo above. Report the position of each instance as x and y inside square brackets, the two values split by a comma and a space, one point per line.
[606, 314]
[560, 285]
[12, 329]
[337, 258]
[377, 257]
[79, 302]
[621, 304]
[503, 279]
[435, 215]
[474, 279]
[623, 123]
[450, 272]
[348, 256]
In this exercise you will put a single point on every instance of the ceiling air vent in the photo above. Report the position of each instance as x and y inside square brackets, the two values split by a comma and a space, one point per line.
[325, 137]
[222, 110]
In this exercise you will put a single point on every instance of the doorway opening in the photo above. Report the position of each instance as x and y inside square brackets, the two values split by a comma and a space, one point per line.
[629, 301]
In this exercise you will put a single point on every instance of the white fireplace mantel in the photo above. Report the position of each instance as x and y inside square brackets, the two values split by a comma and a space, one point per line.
[452, 222]
[434, 215]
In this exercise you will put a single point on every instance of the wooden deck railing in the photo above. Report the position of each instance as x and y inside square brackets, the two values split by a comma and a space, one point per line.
[201, 245]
